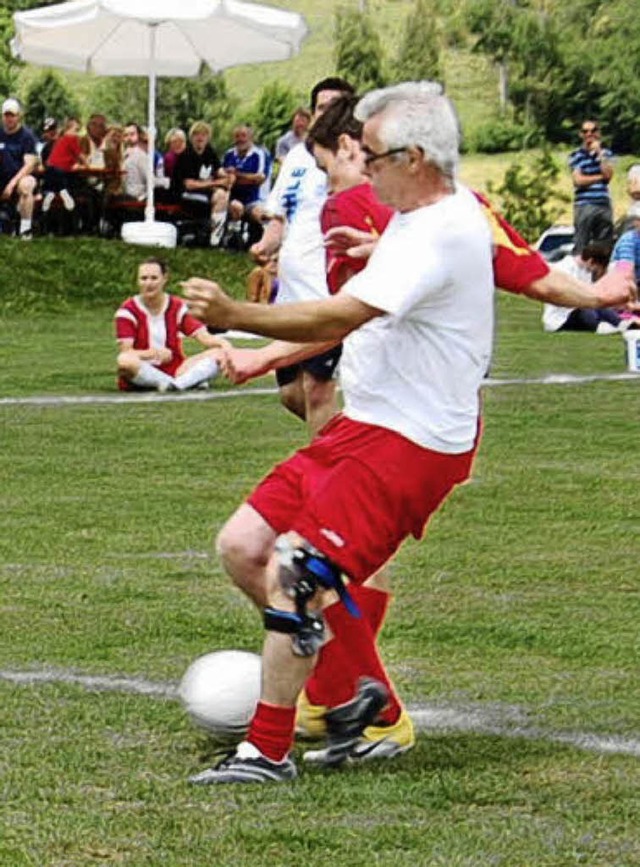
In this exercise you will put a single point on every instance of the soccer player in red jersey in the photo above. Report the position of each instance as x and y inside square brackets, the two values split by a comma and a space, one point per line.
[149, 331]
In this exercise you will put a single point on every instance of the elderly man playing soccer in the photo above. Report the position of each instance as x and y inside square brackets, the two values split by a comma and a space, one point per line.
[417, 326]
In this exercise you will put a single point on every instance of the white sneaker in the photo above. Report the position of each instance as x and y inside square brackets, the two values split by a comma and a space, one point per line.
[47, 201]
[607, 328]
[67, 200]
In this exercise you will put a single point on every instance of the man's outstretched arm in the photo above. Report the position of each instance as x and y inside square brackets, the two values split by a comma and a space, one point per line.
[240, 365]
[329, 319]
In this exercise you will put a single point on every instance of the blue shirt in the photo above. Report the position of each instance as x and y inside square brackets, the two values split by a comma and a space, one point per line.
[13, 149]
[627, 249]
[594, 194]
[252, 163]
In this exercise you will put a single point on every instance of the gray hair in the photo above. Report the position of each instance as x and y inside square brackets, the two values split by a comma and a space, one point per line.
[416, 114]
[175, 132]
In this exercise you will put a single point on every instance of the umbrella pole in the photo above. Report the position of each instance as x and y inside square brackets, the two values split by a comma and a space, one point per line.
[149, 212]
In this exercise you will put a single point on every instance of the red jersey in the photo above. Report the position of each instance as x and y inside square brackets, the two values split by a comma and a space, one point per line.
[65, 153]
[135, 322]
[515, 264]
[359, 208]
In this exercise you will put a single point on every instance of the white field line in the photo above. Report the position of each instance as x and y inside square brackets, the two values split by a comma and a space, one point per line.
[199, 396]
[501, 721]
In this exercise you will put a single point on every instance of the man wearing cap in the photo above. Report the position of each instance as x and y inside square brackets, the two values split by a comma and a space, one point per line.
[18, 159]
[49, 136]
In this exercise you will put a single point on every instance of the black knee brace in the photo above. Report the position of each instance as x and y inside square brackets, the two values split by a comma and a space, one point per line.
[302, 571]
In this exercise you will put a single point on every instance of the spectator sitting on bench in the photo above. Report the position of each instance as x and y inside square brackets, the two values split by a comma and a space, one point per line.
[92, 143]
[299, 126]
[93, 186]
[114, 161]
[246, 163]
[18, 160]
[200, 183]
[135, 163]
[50, 133]
[175, 142]
[66, 155]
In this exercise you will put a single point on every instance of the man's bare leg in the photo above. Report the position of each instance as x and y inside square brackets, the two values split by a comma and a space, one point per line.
[321, 401]
[292, 398]
[245, 546]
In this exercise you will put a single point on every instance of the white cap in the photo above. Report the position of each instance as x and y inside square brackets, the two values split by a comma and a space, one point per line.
[11, 106]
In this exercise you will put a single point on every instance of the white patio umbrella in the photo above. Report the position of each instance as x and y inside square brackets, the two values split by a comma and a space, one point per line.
[151, 38]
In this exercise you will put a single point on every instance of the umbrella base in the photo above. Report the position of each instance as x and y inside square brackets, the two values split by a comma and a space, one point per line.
[150, 234]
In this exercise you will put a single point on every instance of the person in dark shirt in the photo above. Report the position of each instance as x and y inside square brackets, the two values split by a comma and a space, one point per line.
[49, 135]
[591, 171]
[18, 159]
[199, 181]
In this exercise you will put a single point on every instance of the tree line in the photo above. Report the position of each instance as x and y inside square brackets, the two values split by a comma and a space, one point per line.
[558, 63]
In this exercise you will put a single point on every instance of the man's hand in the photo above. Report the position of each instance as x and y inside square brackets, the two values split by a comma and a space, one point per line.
[207, 302]
[264, 250]
[240, 365]
[354, 242]
[617, 287]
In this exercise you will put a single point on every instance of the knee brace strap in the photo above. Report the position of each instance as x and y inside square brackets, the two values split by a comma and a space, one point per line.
[313, 564]
[307, 630]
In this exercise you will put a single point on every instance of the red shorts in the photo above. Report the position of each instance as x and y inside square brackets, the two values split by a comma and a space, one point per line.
[357, 491]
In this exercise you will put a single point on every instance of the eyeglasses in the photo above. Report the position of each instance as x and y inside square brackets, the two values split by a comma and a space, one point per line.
[589, 129]
[371, 157]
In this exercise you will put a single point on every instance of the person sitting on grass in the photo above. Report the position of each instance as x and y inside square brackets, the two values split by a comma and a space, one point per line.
[588, 266]
[149, 329]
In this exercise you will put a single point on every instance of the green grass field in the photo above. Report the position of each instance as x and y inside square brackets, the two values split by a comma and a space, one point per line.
[516, 619]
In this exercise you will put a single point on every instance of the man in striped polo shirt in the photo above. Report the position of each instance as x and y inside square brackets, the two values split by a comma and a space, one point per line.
[591, 170]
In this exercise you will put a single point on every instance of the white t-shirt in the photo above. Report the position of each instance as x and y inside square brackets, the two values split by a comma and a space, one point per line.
[298, 195]
[417, 370]
[553, 318]
[135, 167]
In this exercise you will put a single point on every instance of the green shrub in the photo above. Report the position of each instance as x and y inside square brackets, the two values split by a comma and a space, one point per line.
[498, 136]
[529, 194]
[271, 113]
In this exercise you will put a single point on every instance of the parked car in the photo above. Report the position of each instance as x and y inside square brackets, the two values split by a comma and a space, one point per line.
[555, 242]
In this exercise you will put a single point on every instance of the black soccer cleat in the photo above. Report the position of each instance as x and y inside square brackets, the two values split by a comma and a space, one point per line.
[246, 765]
[347, 722]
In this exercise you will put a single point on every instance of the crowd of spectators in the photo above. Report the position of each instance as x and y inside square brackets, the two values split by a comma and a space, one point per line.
[598, 243]
[93, 180]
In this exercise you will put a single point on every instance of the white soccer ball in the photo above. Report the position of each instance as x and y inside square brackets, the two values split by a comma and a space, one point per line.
[220, 691]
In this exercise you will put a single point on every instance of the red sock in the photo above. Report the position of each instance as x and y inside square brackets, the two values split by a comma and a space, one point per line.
[359, 647]
[373, 603]
[332, 680]
[272, 730]
[334, 677]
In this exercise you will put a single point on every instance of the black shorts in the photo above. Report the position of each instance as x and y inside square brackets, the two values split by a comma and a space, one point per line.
[321, 367]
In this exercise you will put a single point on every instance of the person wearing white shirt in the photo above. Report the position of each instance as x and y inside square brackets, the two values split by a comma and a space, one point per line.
[307, 389]
[417, 327]
[587, 266]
